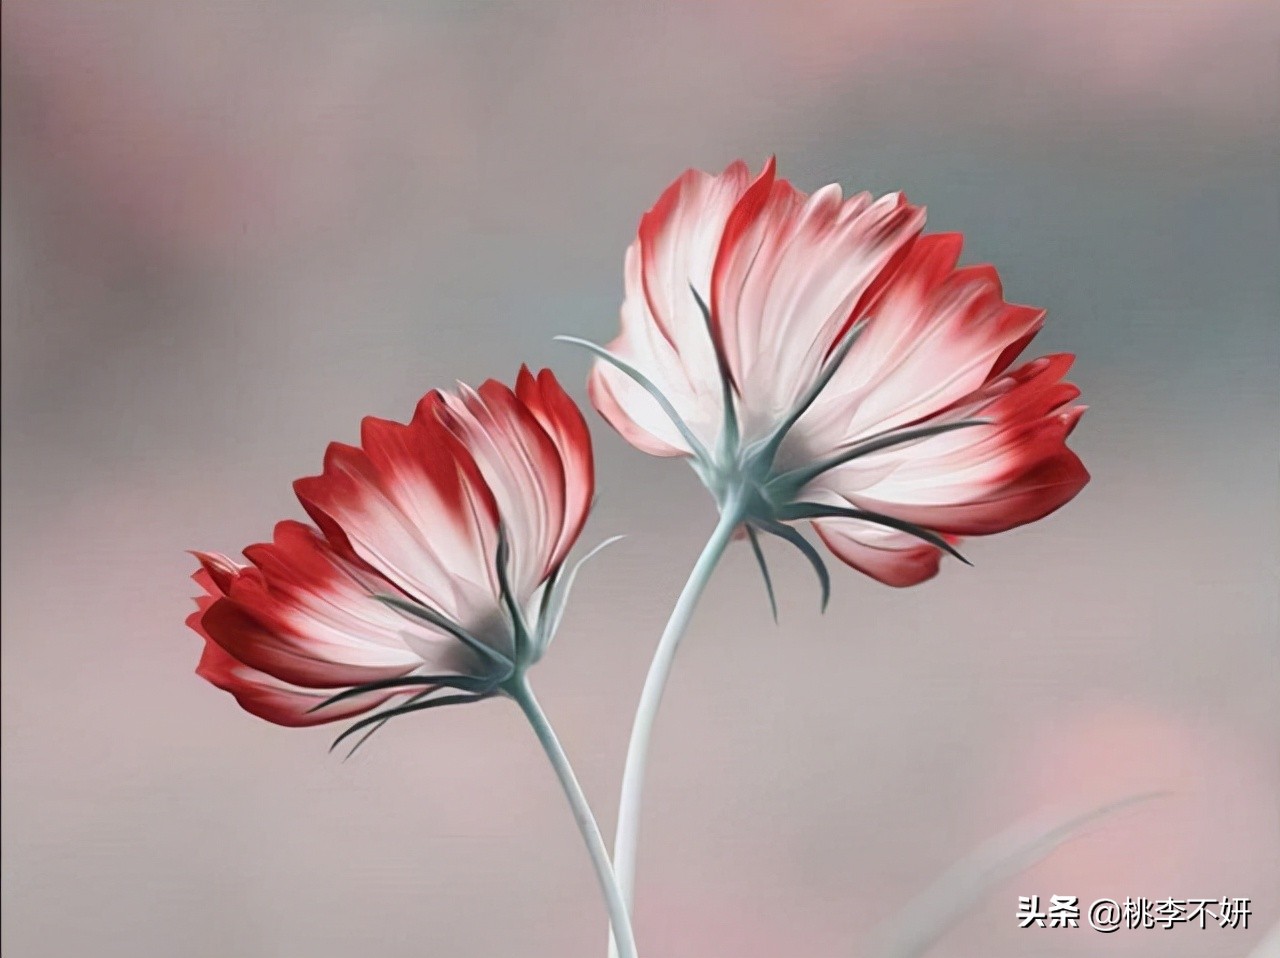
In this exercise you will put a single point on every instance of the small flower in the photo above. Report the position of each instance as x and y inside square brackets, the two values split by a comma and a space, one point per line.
[817, 358]
[435, 573]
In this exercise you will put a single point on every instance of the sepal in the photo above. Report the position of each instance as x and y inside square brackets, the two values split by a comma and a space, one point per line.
[556, 598]
[695, 445]
[428, 683]
[433, 617]
[813, 510]
[730, 432]
[765, 451]
[381, 718]
[790, 483]
[764, 570]
[520, 630]
[806, 549]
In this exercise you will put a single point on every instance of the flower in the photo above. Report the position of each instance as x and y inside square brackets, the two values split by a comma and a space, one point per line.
[819, 358]
[436, 566]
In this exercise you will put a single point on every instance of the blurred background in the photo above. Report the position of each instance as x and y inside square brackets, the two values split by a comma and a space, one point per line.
[231, 229]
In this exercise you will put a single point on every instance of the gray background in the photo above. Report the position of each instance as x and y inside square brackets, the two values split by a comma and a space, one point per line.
[230, 230]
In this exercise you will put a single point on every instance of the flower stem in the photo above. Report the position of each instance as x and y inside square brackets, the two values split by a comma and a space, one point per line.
[618, 918]
[625, 842]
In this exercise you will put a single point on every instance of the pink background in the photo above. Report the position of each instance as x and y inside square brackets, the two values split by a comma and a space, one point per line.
[230, 230]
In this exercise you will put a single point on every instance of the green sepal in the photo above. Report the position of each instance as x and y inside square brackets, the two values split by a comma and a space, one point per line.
[433, 617]
[502, 558]
[793, 536]
[466, 683]
[405, 710]
[547, 607]
[731, 434]
[694, 444]
[764, 570]
[557, 596]
[767, 450]
[377, 725]
[798, 478]
[813, 510]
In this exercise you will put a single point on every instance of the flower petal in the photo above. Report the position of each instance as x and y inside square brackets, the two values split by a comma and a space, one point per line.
[275, 700]
[663, 332]
[935, 335]
[984, 479]
[892, 557]
[310, 617]
[563, 422]
[521, 465]
[790, 276]
[409, 503]
[256, 691]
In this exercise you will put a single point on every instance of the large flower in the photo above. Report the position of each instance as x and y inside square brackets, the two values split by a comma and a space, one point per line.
[818, 358]
[435, 574]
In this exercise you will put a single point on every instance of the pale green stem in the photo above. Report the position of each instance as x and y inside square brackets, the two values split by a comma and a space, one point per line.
[614, 901]
[624, 846]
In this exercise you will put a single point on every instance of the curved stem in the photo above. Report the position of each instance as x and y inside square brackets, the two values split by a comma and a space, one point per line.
[625, 842]
[614, 901]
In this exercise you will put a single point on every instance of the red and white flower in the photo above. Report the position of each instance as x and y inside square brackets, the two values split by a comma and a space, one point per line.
[819, 358]
[436, 566]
